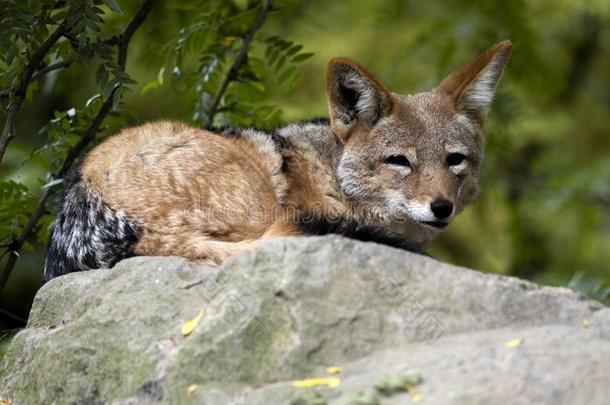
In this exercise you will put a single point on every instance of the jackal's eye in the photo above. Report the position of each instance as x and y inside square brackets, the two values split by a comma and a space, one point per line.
[398, 160]
[455, 159]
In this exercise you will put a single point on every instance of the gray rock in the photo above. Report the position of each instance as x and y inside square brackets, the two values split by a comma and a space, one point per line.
[294, 307]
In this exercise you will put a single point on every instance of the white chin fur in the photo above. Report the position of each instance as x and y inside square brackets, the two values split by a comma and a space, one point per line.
[419, 212]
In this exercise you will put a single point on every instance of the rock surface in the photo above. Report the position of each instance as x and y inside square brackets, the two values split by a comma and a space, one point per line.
[292, 308]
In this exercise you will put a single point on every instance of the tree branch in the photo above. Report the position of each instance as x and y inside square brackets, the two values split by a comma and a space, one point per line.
[74, 152]
[49, 68]
[19, 92]
[31, 74]
[583, 56]
[14, 317]
[239, 61]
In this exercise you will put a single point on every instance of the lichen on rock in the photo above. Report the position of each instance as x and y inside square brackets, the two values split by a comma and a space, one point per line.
[289, 310]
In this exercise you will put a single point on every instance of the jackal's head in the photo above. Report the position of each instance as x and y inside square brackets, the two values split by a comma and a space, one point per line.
[413, 158]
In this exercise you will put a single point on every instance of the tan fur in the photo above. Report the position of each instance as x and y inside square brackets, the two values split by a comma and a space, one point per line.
[198, 194]
[206, 196]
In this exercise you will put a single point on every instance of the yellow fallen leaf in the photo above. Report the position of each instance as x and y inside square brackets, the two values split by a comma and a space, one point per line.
[330, 382]
[334, 370]
[191, 388]
[189, 326]
[5, 401]
[511, 344]
[585, 323]
[415, 396]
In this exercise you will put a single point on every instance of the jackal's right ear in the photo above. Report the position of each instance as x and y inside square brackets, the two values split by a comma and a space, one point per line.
[355, 97]
[472, 87]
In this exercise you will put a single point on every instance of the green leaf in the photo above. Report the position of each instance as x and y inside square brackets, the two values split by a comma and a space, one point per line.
[113, 6]
[124, 79]
[160, 75]
[273, 57]
[44, 226]
[82, 40]
[60, 16]
[12, 51]
[150, 86]
[154, 83]
[116, 98]
[286, 74]
[258, 86]
[109, 87]
[272, 39]
[101, 75]
[280, 63]
[92, 26]
[589, 286]
[302, 57]
[294, 50]
[283, 44]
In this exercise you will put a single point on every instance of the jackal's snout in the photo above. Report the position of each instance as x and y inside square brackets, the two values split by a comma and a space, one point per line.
[441, 208]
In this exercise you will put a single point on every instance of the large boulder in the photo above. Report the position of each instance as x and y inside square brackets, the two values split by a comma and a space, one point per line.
[429, 331]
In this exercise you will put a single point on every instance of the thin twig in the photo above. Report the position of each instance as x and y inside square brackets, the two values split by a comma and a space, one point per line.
[135, 22]
[20, 90]
[12, 316]
[54, 66]
[80, 146]
[241, 58]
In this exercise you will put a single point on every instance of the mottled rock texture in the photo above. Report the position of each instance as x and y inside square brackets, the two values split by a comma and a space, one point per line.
[294, 307]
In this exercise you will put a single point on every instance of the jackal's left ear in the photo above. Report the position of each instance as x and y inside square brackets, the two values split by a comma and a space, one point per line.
[354, 97]
[472, 87]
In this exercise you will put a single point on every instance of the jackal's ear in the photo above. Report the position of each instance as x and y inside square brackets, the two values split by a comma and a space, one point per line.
[472, 86]
[354, 97]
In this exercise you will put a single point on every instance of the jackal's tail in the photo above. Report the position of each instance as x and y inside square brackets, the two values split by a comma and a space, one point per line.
[87, 233]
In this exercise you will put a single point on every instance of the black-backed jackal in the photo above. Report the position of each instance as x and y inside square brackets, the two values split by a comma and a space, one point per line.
[386, 167]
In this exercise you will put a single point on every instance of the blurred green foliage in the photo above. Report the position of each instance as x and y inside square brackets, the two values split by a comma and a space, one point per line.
[544, 210]
[4, 343]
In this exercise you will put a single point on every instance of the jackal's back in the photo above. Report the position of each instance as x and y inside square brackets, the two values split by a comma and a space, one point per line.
[150, 188]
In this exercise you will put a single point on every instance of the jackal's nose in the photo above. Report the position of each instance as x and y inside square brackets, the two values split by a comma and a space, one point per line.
[441, 208]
